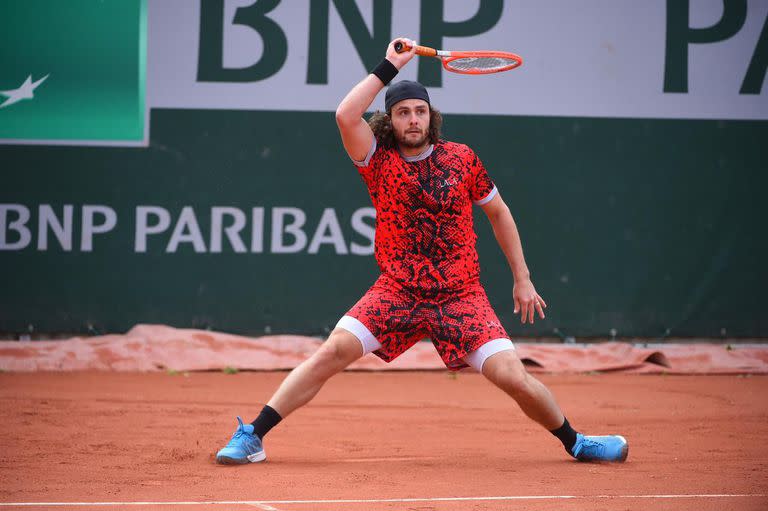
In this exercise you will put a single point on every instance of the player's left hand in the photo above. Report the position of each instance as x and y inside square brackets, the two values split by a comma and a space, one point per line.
[528, 301]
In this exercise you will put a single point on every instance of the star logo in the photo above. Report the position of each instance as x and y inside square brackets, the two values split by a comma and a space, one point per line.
[24, 92]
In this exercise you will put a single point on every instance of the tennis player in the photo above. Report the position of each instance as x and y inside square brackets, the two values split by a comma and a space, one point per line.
[423, 189]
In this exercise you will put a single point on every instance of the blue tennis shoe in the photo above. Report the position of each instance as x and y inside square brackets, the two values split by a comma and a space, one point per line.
[600, 448]
[244, 447]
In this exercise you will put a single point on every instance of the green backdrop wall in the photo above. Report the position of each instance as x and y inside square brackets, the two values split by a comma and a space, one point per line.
[645, 228]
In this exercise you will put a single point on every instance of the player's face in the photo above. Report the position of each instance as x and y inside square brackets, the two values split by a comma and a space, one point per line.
[410, 123]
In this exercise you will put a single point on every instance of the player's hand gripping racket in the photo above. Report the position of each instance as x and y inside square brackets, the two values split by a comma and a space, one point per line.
[468, 62]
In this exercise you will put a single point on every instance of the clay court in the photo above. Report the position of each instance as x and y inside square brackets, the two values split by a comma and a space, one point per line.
[399, 440]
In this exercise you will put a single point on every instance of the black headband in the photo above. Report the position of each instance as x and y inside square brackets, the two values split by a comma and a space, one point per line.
[404, 89]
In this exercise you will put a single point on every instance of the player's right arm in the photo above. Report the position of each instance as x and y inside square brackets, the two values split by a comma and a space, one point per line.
[355, 132]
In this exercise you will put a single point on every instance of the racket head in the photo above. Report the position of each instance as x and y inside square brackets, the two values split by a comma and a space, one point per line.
[481, 62]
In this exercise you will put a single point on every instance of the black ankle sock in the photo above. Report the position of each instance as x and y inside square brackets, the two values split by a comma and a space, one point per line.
[567, 435]
[267, 419]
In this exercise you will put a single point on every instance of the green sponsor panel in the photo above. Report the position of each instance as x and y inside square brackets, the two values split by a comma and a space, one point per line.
[73, 72]
[649, 228]
[201, 159]
[645, 228]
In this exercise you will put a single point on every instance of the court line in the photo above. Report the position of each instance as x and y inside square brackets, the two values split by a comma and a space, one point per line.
[382, 501]
[264, 507]
[388, 459]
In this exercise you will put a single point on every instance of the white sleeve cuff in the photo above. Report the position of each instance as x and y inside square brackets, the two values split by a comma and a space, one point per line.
[367, 160]
[488, 198]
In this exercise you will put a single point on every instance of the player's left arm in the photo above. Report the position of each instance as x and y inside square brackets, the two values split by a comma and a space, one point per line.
[527, 300]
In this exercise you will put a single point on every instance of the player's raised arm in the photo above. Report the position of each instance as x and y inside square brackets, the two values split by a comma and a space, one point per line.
[355, 132]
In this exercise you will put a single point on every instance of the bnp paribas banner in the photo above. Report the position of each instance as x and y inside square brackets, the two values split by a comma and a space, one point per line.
[73, 72]
[699, 59]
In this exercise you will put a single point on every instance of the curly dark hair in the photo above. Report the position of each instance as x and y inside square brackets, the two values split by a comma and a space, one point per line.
[381, 124]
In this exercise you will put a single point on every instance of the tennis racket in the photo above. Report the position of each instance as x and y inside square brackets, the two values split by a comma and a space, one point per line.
[468, 62]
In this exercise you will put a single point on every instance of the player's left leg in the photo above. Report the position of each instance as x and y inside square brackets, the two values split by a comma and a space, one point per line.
[505, 370]
[466, 331]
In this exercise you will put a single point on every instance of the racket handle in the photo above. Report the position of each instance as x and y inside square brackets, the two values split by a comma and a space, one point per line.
[424, 51]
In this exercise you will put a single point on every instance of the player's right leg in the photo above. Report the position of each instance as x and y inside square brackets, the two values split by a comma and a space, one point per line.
[303, 383]
[299, 387]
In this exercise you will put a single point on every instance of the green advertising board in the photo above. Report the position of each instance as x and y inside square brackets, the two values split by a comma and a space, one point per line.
[73, 72]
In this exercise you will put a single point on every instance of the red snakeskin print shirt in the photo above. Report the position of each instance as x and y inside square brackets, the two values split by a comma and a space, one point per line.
[425, 236]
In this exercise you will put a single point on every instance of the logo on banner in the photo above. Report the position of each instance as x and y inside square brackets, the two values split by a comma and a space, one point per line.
[67, 79]
[26, 91]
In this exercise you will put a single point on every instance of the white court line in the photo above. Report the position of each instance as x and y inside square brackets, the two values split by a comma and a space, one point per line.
[390, 458]
[384, 501]
[264, 507]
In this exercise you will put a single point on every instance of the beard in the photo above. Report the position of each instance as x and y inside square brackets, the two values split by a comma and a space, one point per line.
[413, 143]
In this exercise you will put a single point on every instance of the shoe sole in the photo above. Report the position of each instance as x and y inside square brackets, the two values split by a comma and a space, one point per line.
[252, 458]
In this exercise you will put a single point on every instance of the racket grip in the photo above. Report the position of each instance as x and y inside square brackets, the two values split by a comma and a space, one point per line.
[424, 51]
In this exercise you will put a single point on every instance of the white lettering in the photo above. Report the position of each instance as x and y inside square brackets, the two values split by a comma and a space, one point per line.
[143, 228]
[257, 230]
[366, 230]
[187, 230]
[329, 223]
[90, 228]
[61, 229]
[294, 228]
[19, 225]
[232, 231]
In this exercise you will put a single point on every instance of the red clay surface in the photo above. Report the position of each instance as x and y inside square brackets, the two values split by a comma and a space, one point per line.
[97, 437]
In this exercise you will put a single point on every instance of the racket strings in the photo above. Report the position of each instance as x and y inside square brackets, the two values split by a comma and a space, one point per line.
[481, 64]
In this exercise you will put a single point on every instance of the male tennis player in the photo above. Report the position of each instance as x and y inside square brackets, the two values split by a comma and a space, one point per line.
[423, 189]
